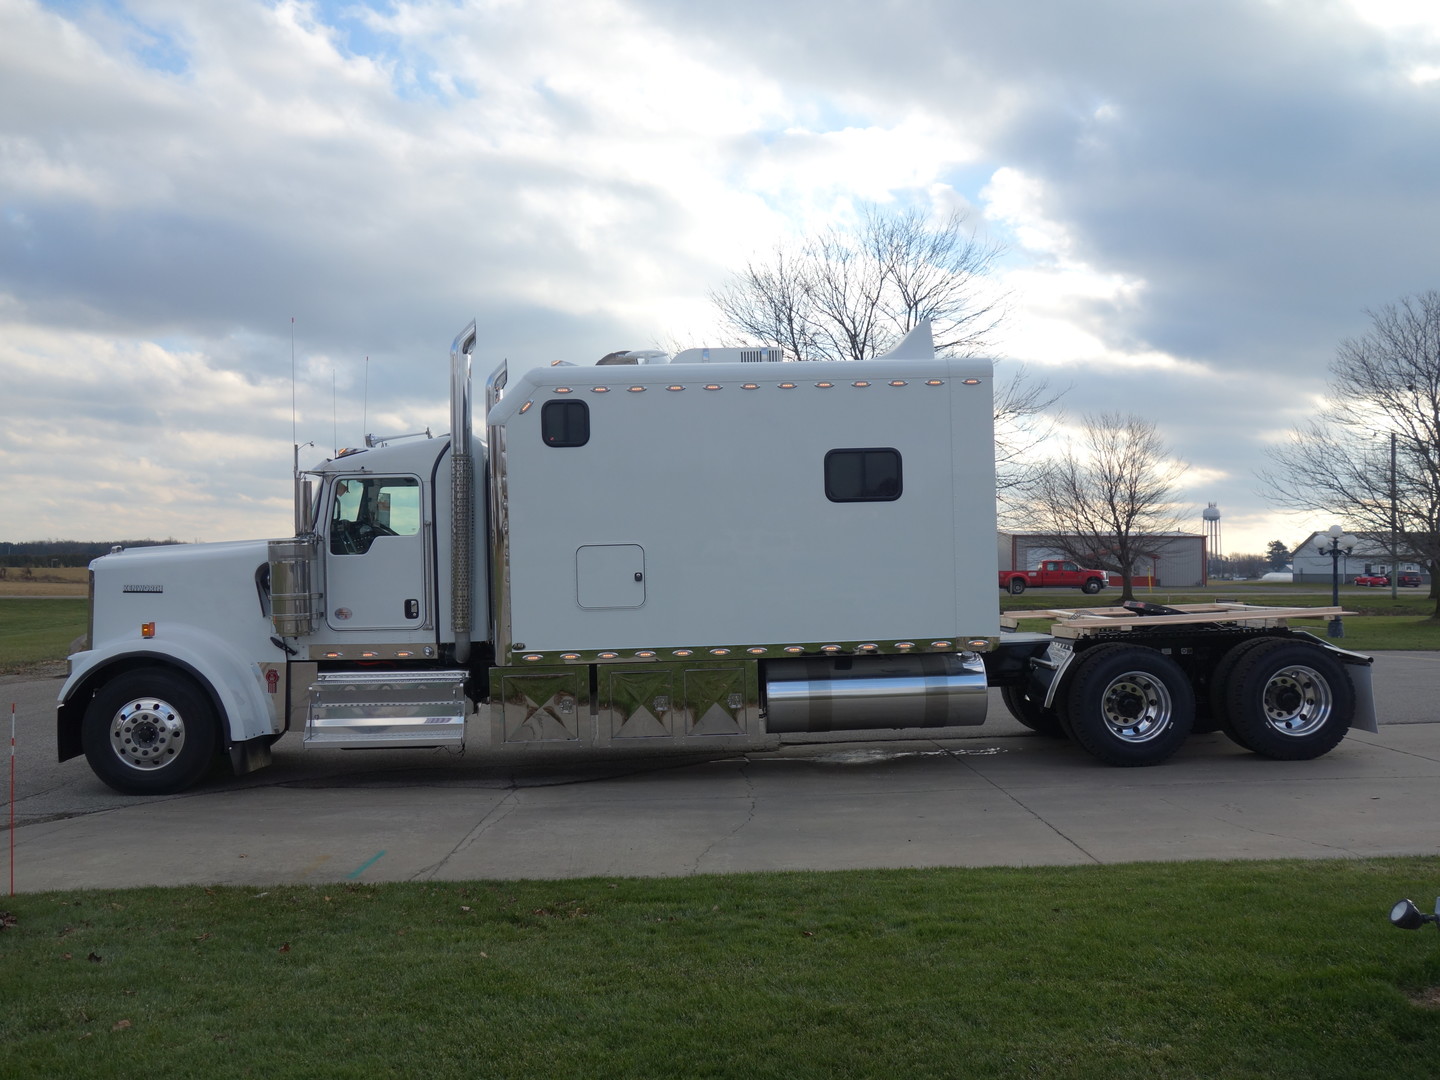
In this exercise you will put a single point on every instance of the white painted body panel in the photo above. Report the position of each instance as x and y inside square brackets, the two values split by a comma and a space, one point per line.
[723, 493]
[209, 616]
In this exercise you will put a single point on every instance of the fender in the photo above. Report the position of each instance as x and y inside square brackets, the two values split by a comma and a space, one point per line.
[236, 687]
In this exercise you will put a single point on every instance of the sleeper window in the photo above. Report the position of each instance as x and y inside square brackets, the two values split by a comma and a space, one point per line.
[565, 423]
[863, 475]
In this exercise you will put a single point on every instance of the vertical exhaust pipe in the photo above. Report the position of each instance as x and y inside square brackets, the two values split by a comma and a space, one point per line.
[462, 492]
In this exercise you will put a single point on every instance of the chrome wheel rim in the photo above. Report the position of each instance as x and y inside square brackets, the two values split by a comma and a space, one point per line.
[1136, 707]
[1297, 701]
[147, 734]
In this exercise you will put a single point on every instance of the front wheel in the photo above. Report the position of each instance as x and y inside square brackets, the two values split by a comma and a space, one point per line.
[1129, 705]
[1288, 700]
[150, 732]
[1092, 586]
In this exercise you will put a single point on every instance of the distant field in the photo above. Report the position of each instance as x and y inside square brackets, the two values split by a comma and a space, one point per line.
[38, 631]
[54, 581]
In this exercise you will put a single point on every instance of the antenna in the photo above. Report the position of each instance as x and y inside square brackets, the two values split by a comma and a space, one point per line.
[294, 439]
[334, 415]
[365, 408]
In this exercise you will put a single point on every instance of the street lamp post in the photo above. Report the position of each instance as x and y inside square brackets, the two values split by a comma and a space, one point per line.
[1339, 544]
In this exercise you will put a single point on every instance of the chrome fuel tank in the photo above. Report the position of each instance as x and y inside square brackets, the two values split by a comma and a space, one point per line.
[866, 692]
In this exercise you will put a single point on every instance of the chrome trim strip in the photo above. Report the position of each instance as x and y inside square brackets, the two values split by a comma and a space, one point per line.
[525, 658]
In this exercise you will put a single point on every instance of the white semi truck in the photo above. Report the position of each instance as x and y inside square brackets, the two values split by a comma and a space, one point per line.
[713, 553]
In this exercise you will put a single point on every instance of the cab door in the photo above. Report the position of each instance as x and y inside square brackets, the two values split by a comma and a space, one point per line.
[375, 568]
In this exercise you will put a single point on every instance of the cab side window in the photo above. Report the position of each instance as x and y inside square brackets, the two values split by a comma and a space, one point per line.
[365, 508]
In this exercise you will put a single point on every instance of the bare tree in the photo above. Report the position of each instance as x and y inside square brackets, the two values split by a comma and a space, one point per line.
[1111, 501]
[849, 294]
[1372, 456]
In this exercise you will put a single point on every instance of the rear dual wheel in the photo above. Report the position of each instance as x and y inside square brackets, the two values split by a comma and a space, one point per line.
[1129, 705]
[1284, 699]
[1033, 714]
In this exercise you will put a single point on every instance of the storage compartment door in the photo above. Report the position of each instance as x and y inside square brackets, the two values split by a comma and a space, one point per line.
[610, 576]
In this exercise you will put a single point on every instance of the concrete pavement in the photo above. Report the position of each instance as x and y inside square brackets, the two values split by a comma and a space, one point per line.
[998, 796]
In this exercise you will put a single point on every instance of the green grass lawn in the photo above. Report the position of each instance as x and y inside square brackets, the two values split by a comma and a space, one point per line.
[1274, 969]
[36, 631]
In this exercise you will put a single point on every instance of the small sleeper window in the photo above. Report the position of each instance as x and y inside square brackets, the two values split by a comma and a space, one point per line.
[565, 423]
[863, 475]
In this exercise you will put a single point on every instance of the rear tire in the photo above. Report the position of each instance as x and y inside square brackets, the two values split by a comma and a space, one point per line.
[1129, 705]
[1289, 700]
[1031, 713]
[151, 731]
[1220, 681]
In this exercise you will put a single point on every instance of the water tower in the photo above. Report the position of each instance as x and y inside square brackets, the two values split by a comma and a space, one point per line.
[1211, 515]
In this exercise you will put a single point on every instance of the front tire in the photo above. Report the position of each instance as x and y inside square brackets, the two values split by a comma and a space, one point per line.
[1092, 586]
[1288, 700]
[1129, 705]
[150, 732]
[1017, 586]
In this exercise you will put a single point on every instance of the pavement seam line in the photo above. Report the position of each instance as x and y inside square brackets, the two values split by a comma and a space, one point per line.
[501, 810]
[961, 758]
[749, 817]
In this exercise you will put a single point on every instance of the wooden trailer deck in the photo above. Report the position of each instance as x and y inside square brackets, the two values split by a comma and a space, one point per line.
[1083, 622]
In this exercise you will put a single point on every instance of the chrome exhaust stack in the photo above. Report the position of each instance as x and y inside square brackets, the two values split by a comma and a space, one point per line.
[462, 492]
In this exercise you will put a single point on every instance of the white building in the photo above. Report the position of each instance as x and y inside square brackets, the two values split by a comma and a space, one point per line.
[1369, 555]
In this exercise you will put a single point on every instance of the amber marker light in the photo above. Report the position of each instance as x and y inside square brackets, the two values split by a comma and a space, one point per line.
[532, 657]
[677, 387]
[830, 648]
[564, 390]
[824, 385]
[636, 389]
[941, 644]
[645, 654]
[683, 652]
[712, 386]
[860, 384]
[599, 389]
[609, 655]
[934, 382]
[757, 651]
[719, 652]
[793, 649]
[526, 407]
[570, 656]
[787, 386]
[749, 386]
[904, 644]
[898, 382]
[972, 382]
[147, 629]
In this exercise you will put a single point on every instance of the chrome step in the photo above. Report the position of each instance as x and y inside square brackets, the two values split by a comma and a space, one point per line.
[373, 709]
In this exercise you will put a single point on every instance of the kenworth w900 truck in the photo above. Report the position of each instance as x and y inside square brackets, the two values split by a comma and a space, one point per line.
[713, 553]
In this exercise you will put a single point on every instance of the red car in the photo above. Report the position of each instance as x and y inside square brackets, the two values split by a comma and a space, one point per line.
[1372, 579]
[1408, 581]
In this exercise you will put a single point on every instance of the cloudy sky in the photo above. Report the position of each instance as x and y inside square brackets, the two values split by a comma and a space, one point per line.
[1198, 201]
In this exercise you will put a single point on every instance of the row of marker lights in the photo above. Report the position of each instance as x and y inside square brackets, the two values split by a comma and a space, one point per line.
[859, 384]
[757, 650]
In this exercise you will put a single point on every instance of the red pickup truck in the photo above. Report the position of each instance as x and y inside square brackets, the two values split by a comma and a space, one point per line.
[1053, 573]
